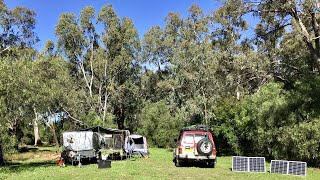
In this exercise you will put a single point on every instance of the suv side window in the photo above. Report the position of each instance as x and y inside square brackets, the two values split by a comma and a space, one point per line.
[189, 139]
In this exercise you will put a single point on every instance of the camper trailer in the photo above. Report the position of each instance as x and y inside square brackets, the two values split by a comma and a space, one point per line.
[78, 145]
[93, 143]
[136, 144]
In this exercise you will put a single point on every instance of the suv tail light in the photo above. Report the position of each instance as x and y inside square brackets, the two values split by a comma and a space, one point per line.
[180, 150]
[214, 152]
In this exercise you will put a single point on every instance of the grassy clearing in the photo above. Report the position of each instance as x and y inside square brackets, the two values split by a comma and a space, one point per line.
[29, 154]
[158, 166]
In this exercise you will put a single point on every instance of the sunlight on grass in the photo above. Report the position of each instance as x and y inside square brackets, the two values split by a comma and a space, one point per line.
[158, 166]
[34, 154]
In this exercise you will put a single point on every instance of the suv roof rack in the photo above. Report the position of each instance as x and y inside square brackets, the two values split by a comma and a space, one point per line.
[198, 127]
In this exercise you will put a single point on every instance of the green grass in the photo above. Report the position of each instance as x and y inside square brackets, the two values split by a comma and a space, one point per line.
[158, 166]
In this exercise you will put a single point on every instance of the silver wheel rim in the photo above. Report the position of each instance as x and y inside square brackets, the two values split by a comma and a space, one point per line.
[205, 147]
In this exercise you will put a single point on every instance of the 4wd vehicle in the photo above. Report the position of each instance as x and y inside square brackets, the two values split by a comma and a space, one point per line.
[195, 144]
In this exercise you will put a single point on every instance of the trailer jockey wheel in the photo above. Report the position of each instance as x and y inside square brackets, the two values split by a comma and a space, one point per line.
[79, 160]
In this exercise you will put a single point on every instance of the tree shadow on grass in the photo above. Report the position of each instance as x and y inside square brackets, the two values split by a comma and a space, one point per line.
[20, 167]
[27, 149]
[32, 149]
[170, 149]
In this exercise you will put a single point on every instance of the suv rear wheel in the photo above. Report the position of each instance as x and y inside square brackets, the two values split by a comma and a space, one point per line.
[178, 163]
[211, 164]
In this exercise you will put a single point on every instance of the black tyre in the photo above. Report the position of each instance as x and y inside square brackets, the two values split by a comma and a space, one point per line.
[211, 164]
[179, 163]
[176, 162]
[205, 147]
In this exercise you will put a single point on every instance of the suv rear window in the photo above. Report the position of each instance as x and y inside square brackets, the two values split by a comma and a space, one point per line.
[199, 137]
[189, 138]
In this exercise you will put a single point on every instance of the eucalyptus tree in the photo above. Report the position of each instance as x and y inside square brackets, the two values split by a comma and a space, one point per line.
[122, 44]
[184, 47]
[157, 54]
[15, 83]
[107, 61]
[157, 49]
[195, 63]
[50, 91]
[17, 31]
[285, 48]
[209, 60]
[17, 37]
[276, 16]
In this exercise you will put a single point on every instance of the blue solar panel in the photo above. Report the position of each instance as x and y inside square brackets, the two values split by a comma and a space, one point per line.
[240, 164]
[279, 167]
[257, 164]
[297, 168]
[288, 167]
[248, 164]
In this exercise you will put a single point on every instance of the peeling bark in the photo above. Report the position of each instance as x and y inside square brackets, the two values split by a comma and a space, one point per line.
[36, 129]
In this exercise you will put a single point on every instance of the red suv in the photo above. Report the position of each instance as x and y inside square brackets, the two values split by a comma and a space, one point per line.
[195, 144]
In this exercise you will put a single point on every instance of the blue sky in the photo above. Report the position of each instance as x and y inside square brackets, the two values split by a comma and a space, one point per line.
[144, 13]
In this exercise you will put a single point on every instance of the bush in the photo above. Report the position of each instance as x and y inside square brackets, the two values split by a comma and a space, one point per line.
[280, 124]
[158, 124]
[225, 128]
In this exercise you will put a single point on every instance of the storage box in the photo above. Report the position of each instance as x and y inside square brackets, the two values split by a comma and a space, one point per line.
[104, 164]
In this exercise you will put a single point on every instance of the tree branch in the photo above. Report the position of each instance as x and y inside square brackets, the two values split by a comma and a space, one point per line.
[73, 118]
[91, 66]
[85, 78]
[275, 29]
[5, 49]
[315, 28]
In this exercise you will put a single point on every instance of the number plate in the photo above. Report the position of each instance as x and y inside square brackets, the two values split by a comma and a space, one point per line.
[188, 150]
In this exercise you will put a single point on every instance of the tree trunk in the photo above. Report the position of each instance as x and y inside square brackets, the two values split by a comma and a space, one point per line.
[105, 107]
[36, 129]
[205, 108]
[314, 51]
[36, 132]
[1, 157]
[55, 136]
[120, 116]
[317, 62]
[238, 87]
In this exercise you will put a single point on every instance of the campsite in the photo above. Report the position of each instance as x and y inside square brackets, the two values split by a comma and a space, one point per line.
[41, 163]
[158, 166]
[210, 89]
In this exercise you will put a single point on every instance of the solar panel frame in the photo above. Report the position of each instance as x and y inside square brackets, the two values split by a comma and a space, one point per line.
[290, 167]
[283, 169]
[295, 167]
[259, 165]
[243, 166]
[248, 164]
